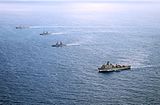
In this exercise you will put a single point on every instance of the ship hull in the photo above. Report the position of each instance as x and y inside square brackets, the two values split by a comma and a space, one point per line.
[58, 45]
[114, 69]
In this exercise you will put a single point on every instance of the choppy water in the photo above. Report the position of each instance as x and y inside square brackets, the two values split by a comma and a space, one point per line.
[33, 72]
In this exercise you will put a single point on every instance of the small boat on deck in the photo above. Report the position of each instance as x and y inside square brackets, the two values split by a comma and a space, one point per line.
[111, 68]
[58, 44]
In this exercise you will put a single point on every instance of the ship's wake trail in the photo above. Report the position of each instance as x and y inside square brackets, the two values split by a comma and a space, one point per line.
[145, 66]
[73, 44]
[52, 26]
[36, 27]
[57, 33]
[83, 44]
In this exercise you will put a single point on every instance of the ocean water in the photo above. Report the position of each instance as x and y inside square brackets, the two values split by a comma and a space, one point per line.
[33, 72]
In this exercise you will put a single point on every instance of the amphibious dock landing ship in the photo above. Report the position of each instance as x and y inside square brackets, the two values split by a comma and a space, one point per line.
[110, 67]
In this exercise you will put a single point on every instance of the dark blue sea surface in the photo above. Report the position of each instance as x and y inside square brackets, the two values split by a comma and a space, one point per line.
[33, 72]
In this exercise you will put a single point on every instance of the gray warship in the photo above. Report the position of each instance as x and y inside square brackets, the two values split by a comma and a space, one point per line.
[111, 68]
[58, 44]
[22, 27]
[45, 33]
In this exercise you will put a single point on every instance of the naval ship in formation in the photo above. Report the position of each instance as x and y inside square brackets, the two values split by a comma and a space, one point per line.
[110, 67]
[46, 33]
[22, 27]
[104, 68]
[59, 44]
